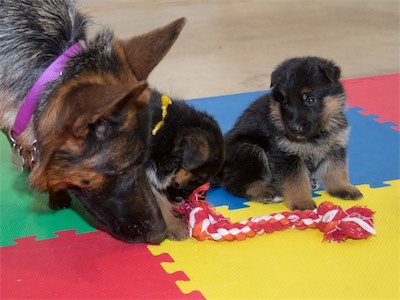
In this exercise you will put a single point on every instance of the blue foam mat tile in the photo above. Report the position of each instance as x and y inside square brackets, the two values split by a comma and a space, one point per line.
[373, 151]
[220, 197]
[376, 118]
[226, 109]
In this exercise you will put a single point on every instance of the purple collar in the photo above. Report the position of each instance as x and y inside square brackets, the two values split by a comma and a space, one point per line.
[50, 74]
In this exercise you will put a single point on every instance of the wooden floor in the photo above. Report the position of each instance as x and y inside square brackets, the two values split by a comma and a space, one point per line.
[231, 46]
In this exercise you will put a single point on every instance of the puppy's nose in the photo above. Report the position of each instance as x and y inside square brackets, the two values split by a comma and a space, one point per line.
[176, 185]
[297, 128]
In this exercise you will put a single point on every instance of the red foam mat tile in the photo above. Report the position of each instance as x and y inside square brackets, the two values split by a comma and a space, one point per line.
[376, 95]
[83, 266]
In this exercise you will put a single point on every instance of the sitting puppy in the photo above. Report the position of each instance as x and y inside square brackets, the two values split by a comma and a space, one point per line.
[185, 152]
[298, 129]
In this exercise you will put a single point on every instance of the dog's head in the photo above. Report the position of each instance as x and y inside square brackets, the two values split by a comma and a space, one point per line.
[92, 133]
[202, 157]
[308, 93]
[198, 155]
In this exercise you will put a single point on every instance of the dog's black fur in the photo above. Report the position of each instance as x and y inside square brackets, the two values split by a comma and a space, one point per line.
[187, 150]
[298, 129]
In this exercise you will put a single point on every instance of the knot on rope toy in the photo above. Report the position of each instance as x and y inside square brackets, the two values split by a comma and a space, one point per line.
[336, 224]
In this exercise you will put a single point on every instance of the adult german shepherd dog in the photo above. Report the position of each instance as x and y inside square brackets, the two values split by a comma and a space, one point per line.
[76, 112]
[298, 129]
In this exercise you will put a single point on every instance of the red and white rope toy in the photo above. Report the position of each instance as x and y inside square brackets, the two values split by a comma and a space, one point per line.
[337, 224]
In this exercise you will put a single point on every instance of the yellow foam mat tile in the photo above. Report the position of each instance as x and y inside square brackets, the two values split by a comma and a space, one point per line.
[296, 264]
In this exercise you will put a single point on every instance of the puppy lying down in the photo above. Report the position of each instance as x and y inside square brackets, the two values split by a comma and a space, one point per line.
[184, 153]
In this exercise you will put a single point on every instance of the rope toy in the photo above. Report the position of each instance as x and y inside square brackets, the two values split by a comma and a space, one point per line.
[165, 102]
[337, 224]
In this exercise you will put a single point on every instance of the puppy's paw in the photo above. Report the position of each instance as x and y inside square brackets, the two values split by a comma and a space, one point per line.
[266, 199]
[348, 193]
[177, 231]
[258, 192]
[269, 199]
[303, 205]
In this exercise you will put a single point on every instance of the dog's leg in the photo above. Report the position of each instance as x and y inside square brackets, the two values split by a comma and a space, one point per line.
[177, 229]
[248, 174]
[59, 199]
[333, 173]
[296, 187]
[259, 191]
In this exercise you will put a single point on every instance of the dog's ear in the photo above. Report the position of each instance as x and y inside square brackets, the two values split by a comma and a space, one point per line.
[330, 70]
[274, 79]
[144, 52]
[195, 150]
[74, 110]
[89, 103]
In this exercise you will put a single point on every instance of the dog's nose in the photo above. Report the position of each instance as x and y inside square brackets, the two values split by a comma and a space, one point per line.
[157, 237]
[176, 185]
[297, 128]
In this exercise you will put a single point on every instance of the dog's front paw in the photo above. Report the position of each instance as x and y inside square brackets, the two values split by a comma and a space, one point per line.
[258, 192]
[303, 205]
[177, 231]
[269, 199]
[348, 193]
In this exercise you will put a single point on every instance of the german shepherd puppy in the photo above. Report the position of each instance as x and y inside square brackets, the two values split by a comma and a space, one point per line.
[298, 129]
[88, 131]
[186, 152]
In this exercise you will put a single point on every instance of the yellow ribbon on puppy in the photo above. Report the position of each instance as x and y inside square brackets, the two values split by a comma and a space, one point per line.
[165, 102]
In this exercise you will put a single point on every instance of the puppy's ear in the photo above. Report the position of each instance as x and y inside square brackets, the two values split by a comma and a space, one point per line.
[274, 79]
[144, 52]
[330, 70]
[195, 150]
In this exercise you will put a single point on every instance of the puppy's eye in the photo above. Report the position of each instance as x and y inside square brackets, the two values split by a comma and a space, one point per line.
[310, 101]
[285, 103]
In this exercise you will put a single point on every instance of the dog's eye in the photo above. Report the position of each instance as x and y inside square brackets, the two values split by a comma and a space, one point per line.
[285, 103]
[311, 101]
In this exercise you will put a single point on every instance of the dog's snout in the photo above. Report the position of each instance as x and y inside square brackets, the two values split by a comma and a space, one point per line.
[139, 233]
[157, 237]
[298, 128]
[176, 185]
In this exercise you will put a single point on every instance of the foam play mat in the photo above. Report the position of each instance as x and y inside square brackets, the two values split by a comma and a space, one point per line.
[49, 254]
